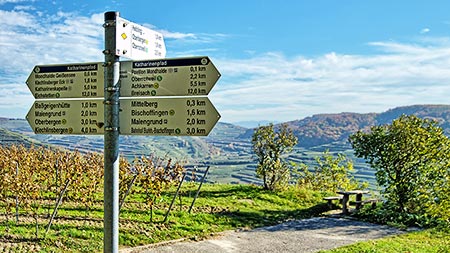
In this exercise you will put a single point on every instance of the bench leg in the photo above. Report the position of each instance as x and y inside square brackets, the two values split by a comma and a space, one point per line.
[358, 201]
[330, 204]
[344, 204]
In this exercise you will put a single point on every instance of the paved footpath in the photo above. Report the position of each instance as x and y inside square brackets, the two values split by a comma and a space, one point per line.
[307, 235]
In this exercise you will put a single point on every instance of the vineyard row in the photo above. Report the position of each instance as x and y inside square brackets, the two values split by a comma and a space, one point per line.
[32, 177]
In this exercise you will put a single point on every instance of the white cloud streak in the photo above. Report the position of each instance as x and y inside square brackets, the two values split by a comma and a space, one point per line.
[425, 30]
[274, 87]
[13, 1]
[31, 39]
[27, 40]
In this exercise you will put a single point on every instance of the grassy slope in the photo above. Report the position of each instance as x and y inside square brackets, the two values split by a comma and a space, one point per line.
[427, 241]
[219, 208]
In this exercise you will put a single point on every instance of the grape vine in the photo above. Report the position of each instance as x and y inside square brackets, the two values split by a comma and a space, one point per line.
[31, 178]
[147, 176]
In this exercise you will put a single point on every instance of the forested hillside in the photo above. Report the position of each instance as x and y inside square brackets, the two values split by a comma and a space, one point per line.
[323, 129]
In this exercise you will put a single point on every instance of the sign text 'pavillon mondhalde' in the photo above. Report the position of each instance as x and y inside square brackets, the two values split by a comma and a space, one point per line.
[193, 76]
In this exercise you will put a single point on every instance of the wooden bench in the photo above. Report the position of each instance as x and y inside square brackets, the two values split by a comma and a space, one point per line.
[367, 201]
[330, 200]
[346, 198]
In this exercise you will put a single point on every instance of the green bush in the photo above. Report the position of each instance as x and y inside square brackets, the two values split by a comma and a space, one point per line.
[411, 157]
[387, 214]
[269, 145]
[329, 175]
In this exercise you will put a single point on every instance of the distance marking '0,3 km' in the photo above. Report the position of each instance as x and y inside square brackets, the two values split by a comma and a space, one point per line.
[187, 116]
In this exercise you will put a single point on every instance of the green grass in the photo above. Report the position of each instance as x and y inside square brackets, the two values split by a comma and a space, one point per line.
[219, 207]
[426, 241]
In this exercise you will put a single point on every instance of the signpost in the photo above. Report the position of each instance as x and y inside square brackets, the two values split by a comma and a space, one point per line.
[77, 80]
[69, 100]
[193, 76]
[111, 137]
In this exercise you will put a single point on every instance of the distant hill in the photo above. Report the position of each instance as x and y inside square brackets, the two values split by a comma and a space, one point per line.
[253, 124]
[323, 129]
[8, 137]
[440, 113]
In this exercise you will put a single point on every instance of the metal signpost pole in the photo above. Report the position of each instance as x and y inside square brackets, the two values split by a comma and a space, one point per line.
[111, 141]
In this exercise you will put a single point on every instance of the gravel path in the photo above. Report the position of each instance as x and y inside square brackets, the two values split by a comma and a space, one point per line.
[308, 235]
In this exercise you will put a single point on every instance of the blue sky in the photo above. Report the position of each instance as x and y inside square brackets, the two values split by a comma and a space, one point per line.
[279, 60]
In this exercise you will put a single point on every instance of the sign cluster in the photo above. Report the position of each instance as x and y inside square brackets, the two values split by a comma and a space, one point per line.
[69, 97]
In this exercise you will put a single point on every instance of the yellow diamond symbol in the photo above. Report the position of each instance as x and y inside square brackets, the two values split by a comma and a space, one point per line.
[124, 36]
[146, 42]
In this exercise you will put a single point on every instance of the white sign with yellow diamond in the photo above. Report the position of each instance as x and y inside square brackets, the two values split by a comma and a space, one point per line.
[138, 42]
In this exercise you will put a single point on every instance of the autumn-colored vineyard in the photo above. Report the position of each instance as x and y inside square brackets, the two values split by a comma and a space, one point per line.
[31, 178]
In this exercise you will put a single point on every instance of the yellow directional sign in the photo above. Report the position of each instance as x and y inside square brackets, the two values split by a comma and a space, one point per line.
[190, 116]
[77, 80]
[67, 116]
[181, 116]
[193, 76]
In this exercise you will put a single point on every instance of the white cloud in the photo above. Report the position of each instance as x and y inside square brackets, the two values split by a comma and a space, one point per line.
[171, 35]
[24, 8]
[425, 30]
[14, 1]
[275, 87]
[188, 37]
[178, 35]
[27, 40]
